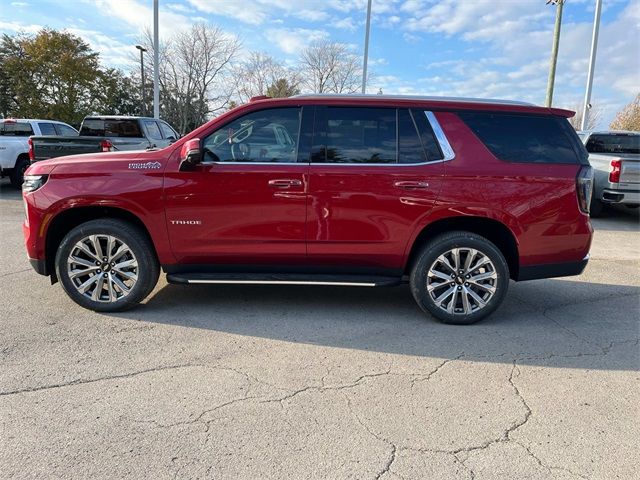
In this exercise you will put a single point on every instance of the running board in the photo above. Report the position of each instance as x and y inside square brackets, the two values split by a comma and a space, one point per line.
[283, 279]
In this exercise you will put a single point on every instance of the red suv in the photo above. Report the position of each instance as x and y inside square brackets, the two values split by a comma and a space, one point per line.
[453, 196]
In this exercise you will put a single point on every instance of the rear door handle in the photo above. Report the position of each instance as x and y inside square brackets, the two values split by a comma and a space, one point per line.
[285, 183]
[411, 185]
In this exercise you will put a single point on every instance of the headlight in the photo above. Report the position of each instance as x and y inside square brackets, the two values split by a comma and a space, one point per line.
[32, 183]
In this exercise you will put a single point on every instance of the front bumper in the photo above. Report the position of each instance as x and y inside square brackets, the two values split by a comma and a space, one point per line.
[551, 270]
[620, 197]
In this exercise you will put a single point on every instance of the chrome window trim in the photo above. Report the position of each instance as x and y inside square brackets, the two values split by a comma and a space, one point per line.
[441, 138]
[445, 146]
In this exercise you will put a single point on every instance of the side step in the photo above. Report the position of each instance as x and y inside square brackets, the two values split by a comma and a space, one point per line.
[283, 279]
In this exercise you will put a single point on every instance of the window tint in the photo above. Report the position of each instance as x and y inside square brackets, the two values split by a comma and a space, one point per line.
[429, 141]
[263, 136]
[614, 144]
[65, 130]
[524, 138]
[16, 129]
[360, 135]
[167, 131]
[47, 129]
[96, 127]
[409, 145]
[152, 130]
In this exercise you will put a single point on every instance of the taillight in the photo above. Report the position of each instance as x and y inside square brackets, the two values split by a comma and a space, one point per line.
[614, 174]
[106, 145]
[32, 155]
[584, 188]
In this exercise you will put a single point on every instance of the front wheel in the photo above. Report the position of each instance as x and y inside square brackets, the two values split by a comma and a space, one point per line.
[107, 265]
[459, 278]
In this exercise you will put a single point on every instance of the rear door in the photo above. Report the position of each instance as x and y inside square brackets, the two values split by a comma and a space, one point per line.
[375, 175]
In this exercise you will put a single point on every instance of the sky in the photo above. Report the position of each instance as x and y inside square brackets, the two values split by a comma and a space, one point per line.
[468, 48]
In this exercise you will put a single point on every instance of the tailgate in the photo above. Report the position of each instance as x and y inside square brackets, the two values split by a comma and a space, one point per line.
[630, 170]
[45, 147]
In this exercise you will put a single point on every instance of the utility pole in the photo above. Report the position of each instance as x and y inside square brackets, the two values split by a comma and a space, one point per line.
[156, 67]
[592, 63]
[554, 50]
[143, 111]
[366, 49]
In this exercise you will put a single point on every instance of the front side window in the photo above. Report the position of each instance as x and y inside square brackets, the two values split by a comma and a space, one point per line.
[360, 135]
[152, 130]
[167, 131]
[65, 130]
[265, 136]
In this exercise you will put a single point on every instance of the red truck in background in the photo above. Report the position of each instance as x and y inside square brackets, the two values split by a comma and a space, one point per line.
[454, 196]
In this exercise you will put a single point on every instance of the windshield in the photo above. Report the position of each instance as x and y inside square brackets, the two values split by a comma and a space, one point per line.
[620, 143]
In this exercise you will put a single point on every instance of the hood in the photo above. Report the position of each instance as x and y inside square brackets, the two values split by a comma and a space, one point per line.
[46, 166]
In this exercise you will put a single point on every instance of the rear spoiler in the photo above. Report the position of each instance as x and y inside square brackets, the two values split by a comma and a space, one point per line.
[561, 112]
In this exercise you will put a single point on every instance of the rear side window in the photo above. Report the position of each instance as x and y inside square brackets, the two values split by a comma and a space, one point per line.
[16, 129]
[620, 143]
[47, 128]
[429, 142]
[360, 135]
[96, 127]
[525, 138]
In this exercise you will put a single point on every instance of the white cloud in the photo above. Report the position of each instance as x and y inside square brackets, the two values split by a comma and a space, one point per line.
[20, 27]
[294, 40]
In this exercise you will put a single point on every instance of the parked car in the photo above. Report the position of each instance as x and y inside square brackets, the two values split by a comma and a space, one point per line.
[107, 133]
[615, 158]
[14, 143]
[453, 196]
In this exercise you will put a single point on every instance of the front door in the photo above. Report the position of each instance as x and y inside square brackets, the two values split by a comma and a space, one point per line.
[245, 203]
[373, 180]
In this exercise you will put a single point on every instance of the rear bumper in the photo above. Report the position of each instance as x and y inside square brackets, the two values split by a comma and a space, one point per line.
[551, 270]
[620, 197]
[39, 265]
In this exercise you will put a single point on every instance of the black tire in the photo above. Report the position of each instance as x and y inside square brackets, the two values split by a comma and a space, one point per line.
[140, 249]
[493, 291]
[17, 175]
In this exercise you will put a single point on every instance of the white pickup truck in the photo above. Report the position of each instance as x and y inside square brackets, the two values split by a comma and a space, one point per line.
[615, 158]
[14, 143]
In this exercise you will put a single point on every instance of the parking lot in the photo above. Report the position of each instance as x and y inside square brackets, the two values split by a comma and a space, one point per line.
[302, 382]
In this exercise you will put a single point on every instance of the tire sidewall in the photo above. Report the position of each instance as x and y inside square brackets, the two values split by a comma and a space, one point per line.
[148, 269]
[440, 245]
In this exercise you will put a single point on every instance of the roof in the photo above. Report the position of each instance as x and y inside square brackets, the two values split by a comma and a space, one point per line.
[118, 117]
[421, 98]
[31, 120]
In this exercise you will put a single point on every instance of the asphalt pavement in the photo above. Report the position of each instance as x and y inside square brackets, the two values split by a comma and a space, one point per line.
[294, 382]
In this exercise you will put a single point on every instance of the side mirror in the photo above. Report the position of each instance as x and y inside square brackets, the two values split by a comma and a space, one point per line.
[190, 154]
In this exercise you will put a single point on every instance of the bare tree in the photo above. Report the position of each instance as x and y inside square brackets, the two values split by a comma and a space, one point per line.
[629, 117]
[255, 75]
[329, 67]
[595, 114]
[194, 70]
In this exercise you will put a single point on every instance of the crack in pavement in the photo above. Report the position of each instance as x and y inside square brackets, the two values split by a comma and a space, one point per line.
[80, 381]
[549, 467]
[425, 378]
[15, 273]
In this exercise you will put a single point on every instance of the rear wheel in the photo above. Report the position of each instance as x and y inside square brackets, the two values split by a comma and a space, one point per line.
[107, 265]
[17, 175]
[459, 278]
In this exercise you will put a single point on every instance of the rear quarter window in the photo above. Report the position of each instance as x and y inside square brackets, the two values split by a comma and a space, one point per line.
[527, 138]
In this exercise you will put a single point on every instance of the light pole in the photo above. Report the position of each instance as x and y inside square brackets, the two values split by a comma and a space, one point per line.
[156, 55]
[554, 51]
[592, 63]
[144, 95]
[366, 49]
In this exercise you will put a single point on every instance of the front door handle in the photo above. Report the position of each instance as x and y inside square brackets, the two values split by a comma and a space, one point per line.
[285, 183]
[411, 185]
